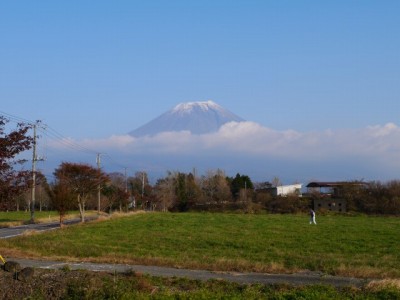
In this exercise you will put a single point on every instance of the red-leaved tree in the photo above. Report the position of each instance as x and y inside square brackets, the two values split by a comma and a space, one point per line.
[81, 180]
[12, 181]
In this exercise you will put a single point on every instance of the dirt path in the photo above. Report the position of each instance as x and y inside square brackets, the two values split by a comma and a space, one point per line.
[305, 278]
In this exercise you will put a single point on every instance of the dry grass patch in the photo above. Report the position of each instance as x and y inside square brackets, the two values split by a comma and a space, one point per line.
[31, 232]
[238, 265]
[115, 215]
[11, 224]
[273, 267]
[378, 285]
[361, 272]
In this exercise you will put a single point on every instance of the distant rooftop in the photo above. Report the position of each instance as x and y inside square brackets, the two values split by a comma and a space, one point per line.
[323, 184]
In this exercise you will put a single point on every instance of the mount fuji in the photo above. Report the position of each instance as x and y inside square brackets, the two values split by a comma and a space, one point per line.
[197, 117]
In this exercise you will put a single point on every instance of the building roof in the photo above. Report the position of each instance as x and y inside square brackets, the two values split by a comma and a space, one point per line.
[323, 184]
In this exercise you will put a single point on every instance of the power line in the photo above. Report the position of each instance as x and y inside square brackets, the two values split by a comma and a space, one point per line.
[49, 132]
[56, 136]
[15, 118]
[105, 155]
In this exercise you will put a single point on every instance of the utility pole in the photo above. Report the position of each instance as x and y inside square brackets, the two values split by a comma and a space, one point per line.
[126, 182]
[142, 185]
[245, 189]
[34, 160]
[98, 187]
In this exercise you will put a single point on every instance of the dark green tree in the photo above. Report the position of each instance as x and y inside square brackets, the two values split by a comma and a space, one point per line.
[181, 192]
[239, 183]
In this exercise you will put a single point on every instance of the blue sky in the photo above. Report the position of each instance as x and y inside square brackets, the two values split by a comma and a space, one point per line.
[94, 69]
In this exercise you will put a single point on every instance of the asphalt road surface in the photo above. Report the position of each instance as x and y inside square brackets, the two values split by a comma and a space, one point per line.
[305, 278]
[9, 232]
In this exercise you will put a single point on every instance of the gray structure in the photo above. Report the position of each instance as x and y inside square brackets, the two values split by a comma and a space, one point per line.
[330, 195]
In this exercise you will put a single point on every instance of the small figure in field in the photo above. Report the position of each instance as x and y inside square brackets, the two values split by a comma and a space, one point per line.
[312, 217]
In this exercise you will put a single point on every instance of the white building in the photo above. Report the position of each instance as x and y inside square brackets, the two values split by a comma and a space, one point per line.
[285, 190]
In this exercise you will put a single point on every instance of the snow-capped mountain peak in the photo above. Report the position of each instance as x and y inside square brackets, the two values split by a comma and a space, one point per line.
[188, 107]
[197, 117]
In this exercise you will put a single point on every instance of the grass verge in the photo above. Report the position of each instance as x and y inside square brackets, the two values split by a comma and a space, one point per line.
[16, 218]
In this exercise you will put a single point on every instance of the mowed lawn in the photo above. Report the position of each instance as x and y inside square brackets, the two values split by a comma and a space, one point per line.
[359, 246]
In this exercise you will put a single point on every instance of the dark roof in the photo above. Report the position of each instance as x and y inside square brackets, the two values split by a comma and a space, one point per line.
[335, 184]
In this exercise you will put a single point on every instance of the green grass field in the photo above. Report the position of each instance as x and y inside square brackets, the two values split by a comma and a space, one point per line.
[358, 246]
[21, 216]
[15, 218]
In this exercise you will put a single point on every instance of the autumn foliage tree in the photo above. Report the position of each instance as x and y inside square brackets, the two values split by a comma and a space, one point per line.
[81, 181]
[61, 199]
[215, 187]
[116, 192]
[140, 188]
[165, 192]
[12, 182]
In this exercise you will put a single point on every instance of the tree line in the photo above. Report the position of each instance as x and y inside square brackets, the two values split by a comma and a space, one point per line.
[81, 186]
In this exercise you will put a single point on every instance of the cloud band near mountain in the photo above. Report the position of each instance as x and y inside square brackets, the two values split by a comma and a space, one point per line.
[380, 143]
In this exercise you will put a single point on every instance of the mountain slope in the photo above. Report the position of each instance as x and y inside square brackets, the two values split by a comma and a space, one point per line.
[196, 117]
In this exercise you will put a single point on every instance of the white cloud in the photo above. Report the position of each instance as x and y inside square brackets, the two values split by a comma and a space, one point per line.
[377, 145]
[378, 130]
[252, 138]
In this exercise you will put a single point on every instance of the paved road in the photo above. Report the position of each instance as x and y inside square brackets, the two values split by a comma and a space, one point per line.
[307, 278]
[9, 232]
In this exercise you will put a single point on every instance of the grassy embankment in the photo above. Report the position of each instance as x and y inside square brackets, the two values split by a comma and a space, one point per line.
[15, 218]
[358, 246]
